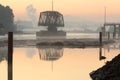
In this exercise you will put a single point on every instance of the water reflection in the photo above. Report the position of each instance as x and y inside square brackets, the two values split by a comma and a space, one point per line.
[30, 52]
[3, 63]
[75, 62]
[108, 48]
[115, 45]
[3, 54]
[50, 53]
[101, 56]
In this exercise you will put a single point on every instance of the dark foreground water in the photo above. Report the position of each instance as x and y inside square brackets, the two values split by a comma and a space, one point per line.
[55, 63]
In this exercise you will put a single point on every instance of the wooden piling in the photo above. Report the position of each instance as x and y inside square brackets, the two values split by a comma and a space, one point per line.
[108, 35]
[114, 33]
[103, 32]
[100, 47]
[100, 39]
[10, 55]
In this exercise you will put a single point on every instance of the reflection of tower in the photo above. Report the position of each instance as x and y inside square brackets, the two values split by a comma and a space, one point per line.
[53, 20]
[50, 53]
[3, 54]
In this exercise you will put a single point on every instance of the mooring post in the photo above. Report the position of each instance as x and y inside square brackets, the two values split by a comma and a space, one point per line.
[108, 35]
[114, 33]
[103, 31]
[100, 45]
[10, 55]
[100, 39]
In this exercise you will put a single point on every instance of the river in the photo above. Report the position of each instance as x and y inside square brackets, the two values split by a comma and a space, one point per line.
[55, 63]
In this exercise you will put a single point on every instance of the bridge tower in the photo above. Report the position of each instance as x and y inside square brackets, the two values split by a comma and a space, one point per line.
[51, 20]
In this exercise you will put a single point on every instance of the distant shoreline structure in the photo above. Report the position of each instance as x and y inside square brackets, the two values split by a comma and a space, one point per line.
[70, 43]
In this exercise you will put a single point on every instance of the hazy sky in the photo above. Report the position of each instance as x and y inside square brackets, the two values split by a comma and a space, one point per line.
[87, 9]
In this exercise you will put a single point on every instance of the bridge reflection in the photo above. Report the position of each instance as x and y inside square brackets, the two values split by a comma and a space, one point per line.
[50, 53]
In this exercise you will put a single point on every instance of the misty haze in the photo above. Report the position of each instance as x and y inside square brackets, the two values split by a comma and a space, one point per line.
[59, 40]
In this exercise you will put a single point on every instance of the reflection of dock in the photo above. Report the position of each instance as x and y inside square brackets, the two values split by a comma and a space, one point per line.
[115, 45]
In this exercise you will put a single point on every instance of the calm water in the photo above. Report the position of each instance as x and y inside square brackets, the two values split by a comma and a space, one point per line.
[55, 63]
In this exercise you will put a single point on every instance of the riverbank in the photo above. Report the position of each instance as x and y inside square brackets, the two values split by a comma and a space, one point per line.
[110, 71]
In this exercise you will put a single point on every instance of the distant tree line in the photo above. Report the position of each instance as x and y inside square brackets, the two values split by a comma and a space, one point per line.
[6, 19]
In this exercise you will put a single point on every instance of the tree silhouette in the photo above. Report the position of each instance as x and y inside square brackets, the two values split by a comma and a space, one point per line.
[7, 18]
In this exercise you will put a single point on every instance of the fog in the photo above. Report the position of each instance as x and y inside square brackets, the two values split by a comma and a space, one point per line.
[31, 12]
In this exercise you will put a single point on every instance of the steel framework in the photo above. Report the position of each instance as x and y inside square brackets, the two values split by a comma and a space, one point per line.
[51, 19]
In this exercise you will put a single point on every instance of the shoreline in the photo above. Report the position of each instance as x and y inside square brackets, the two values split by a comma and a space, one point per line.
[70, 43]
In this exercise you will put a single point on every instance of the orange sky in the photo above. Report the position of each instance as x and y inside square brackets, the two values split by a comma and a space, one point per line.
[88, 9]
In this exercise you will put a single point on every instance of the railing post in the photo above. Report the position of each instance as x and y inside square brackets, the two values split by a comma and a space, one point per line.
[10, 55]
